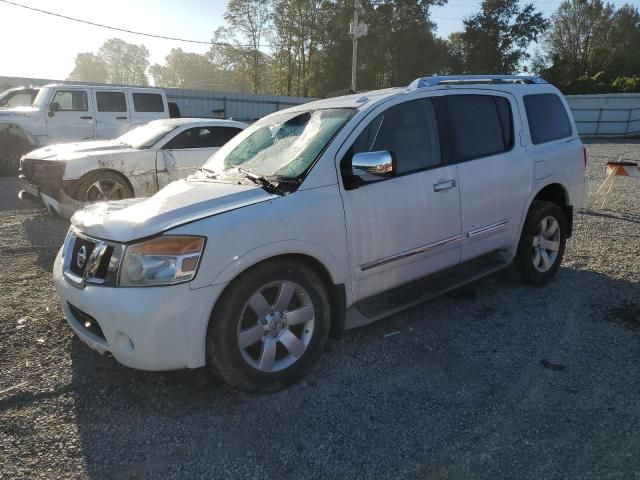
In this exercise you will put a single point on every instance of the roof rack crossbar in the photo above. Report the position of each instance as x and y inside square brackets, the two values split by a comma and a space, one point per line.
[474, 79]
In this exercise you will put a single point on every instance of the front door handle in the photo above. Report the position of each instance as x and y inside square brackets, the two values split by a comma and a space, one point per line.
[86, 118]
[446, 185]
[121, 118]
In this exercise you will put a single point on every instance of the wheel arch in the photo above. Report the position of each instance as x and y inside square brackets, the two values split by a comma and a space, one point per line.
[336, 289]
[18, 131]
[75, 183]
[554, 191]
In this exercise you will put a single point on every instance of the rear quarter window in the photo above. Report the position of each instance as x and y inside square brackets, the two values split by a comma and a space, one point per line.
[547, 117]
[148, 102]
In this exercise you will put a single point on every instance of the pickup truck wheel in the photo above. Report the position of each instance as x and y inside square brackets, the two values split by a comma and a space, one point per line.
[12, 148]
[542, 243]
[269, 327]
[103, 186]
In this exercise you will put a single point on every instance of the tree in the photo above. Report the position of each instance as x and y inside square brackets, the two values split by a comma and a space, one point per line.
[251, 19]
[184, 70]
[116, 62]
[89, 68]
[495, 40]
[625, 43]
[579, 42]
[126, 63]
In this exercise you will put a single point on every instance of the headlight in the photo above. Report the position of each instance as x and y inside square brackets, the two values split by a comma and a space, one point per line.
[165, 260]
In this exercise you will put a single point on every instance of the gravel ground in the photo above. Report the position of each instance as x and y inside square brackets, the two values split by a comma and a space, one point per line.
[495, 380]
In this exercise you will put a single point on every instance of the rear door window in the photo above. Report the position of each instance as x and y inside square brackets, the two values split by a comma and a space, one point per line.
[482, 125]
[547, 117]
[111, 102]
[148, 102]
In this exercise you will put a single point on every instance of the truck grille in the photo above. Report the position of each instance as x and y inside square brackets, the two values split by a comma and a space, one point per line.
[90, 261]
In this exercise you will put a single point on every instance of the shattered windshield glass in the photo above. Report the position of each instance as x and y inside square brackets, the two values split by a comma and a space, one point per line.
[282, 146]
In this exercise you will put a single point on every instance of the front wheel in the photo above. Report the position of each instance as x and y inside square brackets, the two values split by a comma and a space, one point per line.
[269, 327]
[103, 186]
[542, 243]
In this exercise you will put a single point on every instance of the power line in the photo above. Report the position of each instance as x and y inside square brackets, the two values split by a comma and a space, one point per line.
[118, 29]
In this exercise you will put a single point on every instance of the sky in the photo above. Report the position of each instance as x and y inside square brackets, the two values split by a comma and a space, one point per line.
[36, 45]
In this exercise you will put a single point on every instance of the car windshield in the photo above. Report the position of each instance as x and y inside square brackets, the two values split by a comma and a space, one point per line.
[282, 146]
[146, 135]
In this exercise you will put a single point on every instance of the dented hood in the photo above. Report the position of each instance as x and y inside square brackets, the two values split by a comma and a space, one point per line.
[178, 203]
[66, 151]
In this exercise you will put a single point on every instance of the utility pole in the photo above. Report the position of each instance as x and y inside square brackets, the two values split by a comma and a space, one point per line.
[357, 29]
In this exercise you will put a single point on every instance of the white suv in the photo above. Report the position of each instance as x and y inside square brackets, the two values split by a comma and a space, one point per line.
[65, 113]
[324, 217]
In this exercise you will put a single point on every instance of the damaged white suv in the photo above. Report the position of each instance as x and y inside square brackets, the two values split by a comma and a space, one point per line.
[324, 217]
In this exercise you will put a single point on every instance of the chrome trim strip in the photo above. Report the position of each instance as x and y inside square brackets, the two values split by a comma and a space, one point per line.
[487, 228]
[409, 253]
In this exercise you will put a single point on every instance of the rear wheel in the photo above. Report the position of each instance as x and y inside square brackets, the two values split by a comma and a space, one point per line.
[269, 327]
[103, 186]
[12, 148]
[542, 243]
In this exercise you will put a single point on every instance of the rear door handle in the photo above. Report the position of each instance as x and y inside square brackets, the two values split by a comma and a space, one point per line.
[121, 118]
[86, 118]
[446, 185]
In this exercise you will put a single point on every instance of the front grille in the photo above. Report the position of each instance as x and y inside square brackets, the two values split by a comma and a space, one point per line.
[46, 174]
[86, 321]
[78, 265]
[92, 261]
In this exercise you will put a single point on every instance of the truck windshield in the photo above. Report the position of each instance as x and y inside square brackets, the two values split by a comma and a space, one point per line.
[146, 135]
[283, 146]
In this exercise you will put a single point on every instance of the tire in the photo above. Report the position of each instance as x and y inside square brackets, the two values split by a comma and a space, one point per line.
[241, 316]
[542, 245]
[12, 148]
[103, 186]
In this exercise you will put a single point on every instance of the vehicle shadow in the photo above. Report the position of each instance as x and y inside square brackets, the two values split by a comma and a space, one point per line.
[494, 340]
[45, 234]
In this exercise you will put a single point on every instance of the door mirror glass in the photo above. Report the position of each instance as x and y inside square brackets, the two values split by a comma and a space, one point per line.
[379, 164]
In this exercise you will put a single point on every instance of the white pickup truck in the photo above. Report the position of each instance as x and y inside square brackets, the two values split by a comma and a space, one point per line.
[66, 113]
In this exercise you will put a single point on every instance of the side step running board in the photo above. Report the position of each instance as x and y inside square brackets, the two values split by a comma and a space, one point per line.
[400, 298]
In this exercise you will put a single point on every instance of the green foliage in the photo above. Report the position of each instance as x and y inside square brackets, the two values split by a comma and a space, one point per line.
[600, 83]
[185, 70]
[116, 62]
[495, 40]
[589, 36]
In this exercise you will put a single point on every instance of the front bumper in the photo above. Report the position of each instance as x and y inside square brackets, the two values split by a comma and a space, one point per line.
[58, 202]
[150, 328]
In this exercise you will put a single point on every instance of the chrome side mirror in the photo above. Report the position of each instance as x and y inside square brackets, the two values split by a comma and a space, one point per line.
[377, 164]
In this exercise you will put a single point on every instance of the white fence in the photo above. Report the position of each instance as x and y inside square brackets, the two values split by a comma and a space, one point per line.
[614, 114]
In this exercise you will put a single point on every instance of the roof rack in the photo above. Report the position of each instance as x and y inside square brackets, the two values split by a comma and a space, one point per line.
[474, 79]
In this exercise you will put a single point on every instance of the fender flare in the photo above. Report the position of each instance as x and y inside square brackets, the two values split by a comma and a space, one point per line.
[551, 180]
[17, 130]
[314, 252]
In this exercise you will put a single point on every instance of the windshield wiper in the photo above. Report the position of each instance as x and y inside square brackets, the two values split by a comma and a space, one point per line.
[208, 172]
[268, 185]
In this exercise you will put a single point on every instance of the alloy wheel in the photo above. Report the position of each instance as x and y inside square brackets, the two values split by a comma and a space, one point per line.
[276, 326]
[546, 244]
